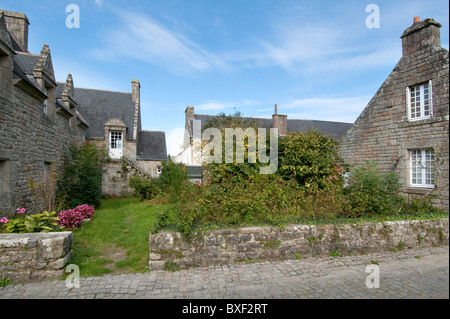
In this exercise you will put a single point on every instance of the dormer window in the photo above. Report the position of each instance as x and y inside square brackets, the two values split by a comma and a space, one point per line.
[45, 101]
[49, 102]
[419, 102]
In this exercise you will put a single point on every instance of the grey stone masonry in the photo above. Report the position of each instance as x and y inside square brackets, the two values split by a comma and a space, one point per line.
[34, 256]
[386, 132]
[269, 243]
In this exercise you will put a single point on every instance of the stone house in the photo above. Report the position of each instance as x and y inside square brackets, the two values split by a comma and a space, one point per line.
[279, 121]
[40, 118]
[405, 127]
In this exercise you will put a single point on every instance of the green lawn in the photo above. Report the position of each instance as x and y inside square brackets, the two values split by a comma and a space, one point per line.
[116, 238]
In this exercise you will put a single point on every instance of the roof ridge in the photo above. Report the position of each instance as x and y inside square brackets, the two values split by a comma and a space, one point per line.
[60, 82]
[27, 53]
[320, 121]
[266, 118]
[152, 131]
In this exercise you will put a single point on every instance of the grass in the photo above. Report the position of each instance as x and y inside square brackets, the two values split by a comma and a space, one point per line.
[116, 239]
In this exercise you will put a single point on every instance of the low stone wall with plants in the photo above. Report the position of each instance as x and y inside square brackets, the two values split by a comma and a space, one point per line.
[34, 256]
[170, 251]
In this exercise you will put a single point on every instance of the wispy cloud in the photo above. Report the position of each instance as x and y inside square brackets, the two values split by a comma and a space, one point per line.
[143, 38]
[340, 109]
[215, 105]
[343, 109]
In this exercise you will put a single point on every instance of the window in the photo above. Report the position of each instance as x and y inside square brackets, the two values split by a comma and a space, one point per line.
[419, 102]
[45, 101]
[116, 140]
[115, 144]
[422, 168]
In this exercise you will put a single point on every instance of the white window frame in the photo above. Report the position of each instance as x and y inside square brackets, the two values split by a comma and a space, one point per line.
[116, 144]
[422, 171]
[422, 100]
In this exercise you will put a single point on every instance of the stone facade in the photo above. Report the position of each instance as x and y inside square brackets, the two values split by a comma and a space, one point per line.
[35, 131]
[40, 118]
[269, 243]
[387, 133]
[37, 256]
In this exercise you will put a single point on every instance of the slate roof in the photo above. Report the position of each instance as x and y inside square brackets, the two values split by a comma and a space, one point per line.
[152, 146]
[23, 66]
[98, 106]
[333, 129]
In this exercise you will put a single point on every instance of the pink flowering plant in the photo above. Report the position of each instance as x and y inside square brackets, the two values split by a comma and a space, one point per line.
[21, 210]
[73, 218]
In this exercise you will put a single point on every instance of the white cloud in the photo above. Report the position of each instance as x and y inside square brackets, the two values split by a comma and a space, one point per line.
[142, 38]
[340, 109]
[223, 106]
[99, 2]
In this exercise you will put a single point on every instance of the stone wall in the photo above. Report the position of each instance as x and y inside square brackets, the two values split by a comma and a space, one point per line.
[32, 146]
[34, 256]
[269, 243]
[384, 133]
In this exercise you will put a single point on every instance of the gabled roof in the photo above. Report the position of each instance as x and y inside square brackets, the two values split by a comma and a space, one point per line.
[98, 106]
[152, 146]
[333, 129]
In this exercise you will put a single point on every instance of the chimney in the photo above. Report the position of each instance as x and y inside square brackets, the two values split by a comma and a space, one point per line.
[135, 90]
[136, 98]
[420, 35]
[280, 122]
[17, 25]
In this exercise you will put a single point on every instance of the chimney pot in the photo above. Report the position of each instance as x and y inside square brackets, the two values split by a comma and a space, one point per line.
[416, 19]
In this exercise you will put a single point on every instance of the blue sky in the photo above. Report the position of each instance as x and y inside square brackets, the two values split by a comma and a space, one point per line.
[315, 59]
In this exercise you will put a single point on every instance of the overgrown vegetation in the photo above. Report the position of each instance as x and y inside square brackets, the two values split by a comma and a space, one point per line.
[170, 183]
[81, 178]
[308, 186]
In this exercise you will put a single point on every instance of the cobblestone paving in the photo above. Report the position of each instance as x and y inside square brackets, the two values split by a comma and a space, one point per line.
[413, 273]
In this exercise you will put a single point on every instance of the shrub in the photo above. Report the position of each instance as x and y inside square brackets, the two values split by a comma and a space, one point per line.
[81, 180]
[73, 218]
[70, 218]
[173, 177]
[267, 199]
[372, 192]
[311, 159]
[145, 188]
[85, 211]
[42, 222]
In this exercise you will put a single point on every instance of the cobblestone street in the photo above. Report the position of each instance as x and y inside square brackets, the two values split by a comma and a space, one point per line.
[413, 273]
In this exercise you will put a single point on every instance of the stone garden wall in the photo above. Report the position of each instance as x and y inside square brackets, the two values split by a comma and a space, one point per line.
[294, 241]
[34, 256]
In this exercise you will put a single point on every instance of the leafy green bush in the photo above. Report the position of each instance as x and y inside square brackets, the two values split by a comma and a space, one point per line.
[267, 199]
[42, 222]
[311, 159]
[173, 177]
[81, 180]
[235, 172]
[372, 192]
[145, 188]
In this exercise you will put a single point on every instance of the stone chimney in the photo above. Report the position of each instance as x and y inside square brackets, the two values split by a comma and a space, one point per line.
[280, 122]
[135, 90]
[420, 35]
[136, 98]
[17, 24]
